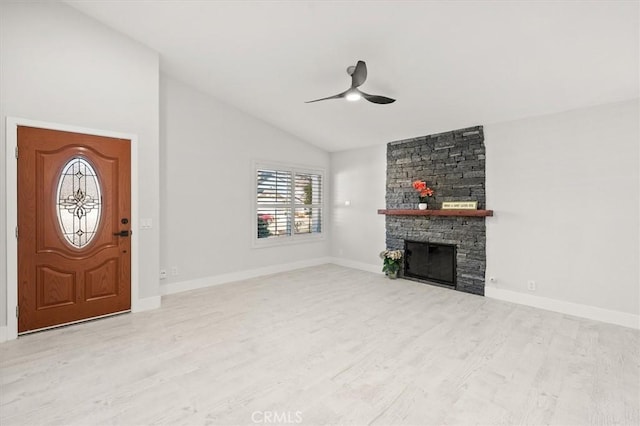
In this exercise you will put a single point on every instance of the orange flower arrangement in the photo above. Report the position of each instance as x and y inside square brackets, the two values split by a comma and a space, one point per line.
[424, 191]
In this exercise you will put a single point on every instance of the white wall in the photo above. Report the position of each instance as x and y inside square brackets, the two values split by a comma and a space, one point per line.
[565, 192]
[358, 232]
[207, 186]
[60, 66]
[568, 179]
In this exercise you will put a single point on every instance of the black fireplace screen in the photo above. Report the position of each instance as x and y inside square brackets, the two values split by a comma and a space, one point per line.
[430, 261]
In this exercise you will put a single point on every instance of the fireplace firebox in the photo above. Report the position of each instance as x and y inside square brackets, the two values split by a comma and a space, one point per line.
[429, 261]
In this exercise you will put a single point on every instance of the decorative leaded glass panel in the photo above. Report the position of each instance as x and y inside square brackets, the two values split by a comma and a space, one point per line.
[79, 202]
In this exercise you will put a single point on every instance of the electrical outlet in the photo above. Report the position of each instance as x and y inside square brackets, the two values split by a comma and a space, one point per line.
[163, 274]
[531, 285]
[174, 270]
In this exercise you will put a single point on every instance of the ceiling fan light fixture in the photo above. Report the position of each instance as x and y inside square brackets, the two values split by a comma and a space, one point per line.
[358, 75]
[353, 96]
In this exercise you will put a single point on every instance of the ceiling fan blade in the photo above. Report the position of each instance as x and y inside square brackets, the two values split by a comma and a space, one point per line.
[338, 96]
[359, 75]
[376, 99]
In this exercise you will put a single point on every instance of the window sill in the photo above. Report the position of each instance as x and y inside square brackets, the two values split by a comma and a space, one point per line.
[277, 242]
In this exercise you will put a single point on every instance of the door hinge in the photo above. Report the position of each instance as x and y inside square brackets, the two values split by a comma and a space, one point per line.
[16, 152]
[16, 232]
[17, 311]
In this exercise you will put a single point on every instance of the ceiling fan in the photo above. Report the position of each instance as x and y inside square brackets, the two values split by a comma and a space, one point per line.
[358, 75]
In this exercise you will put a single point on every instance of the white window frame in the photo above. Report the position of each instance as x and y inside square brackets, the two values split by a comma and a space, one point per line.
[293, 238]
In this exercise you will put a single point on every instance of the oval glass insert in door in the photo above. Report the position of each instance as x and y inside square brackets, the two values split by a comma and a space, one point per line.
[79, 202]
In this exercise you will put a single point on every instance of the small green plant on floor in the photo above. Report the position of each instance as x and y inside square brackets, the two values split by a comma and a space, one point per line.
[391, 261]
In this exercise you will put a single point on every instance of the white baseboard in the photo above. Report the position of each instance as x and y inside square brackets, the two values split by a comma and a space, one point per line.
[3, 333]
[584, 311]
[172, 288]
[146, 304]
[356, 265]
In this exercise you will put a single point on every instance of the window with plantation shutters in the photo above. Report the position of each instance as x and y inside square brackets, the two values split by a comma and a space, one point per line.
[289, 204]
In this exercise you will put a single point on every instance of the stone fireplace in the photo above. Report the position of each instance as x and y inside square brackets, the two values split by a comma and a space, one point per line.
[453, 164]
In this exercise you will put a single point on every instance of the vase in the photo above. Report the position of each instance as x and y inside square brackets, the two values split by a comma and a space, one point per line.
[422, 206]
[392, 275]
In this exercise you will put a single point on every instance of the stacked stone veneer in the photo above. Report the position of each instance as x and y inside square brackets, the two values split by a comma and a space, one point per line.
[453, 164]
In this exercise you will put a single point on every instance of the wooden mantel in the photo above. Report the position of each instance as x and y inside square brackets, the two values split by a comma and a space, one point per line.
[468, 213]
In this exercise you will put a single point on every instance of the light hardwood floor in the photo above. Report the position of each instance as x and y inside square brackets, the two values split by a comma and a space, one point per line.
[325, 345]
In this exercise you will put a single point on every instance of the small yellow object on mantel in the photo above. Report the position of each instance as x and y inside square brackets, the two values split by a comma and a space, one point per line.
[460, 205]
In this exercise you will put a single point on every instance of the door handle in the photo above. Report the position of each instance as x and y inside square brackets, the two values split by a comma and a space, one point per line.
[124, 233]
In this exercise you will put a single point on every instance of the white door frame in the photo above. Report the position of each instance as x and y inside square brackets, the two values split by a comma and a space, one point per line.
[12, 208]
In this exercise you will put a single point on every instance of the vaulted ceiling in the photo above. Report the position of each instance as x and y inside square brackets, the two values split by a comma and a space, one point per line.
[449, 64]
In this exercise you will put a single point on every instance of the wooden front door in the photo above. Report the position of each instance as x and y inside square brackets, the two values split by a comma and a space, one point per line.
[74, 212]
